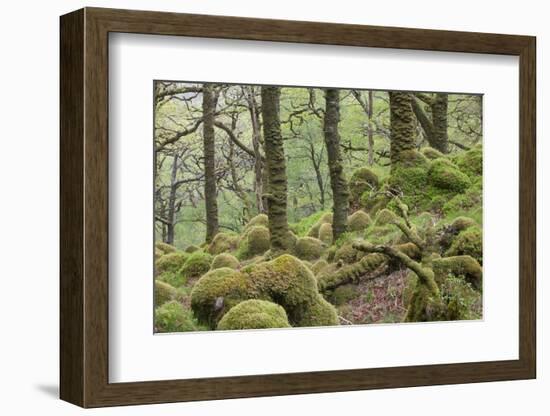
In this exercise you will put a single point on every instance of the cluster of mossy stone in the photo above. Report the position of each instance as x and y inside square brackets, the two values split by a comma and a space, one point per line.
[234, 283]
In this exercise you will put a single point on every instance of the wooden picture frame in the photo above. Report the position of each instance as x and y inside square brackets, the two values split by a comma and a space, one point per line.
[84, 207]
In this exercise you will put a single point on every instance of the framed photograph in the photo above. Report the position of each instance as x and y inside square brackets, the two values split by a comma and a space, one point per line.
[263, 207]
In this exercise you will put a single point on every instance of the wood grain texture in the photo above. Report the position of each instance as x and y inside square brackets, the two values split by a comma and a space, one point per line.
[84, 207]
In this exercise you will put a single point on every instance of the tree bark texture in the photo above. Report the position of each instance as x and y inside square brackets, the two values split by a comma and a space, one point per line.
[276, 169]
[401, 124]
[209, 101]
[338, 183]
[435, 127]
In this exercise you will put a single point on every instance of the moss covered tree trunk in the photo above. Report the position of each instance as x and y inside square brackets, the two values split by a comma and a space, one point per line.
[276, 169]
[256, 143]
[434, 125]
[171, 217]
[209, 101]
[401, 124]
[338, 183]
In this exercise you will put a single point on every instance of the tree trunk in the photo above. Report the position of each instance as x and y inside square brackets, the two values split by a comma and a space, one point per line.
[338, 183]
[276, 168]
[256, 143]
[435, 127]
[170, 219]
[402, 124]
[439, 117]
[209, 101]
[370, 132]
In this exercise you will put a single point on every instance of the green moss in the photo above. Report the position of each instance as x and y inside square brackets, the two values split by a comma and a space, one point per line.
[191, 248]
[431, 153]
[254, 314]
[343, 294]
[163, 292]
[325, 233]
[158, 253]
[462, 300]
[468, 242]
[465, 267]
[385, 217]
[424, 306]
[320, 313]
[358, 221]
[444, 175]
[362, 180]
[471, 162]
[470, 200]
[175, 279]
[318, 266]
[164, 247]
[216, 292]
[196, 264]
[309, 248]
[382, 234]
[223, 242]
[170, 262]
[260, 219]
[255, 241]
[461, 223]
[412, 159]
[411, 181]
[347, 254]
[224, 260]
[325, 218]
[172, 317]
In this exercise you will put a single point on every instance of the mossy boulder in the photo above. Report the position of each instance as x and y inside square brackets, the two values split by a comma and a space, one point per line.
[465, 267]
[347, 254]
[325, 233]
[318, 266]
[431, 153]
[358, 221]
[343, 294]
[385, 217]
[468, 242]
[326, 218]
[462, 223]
[191, 248]
[410, 179]
[258, 220]
[284, 280]
[158, 253]
[196, 264]
[172, 317]
[163, 292]
[224, 260]
[255, 241]
[254, 314]
[468, 201]
[471, 161]
[165, 247]
[223, 242]
[170, 262]
[362, 180]
[309, 248]
[411, 159]
[218, 291]
[443, 174]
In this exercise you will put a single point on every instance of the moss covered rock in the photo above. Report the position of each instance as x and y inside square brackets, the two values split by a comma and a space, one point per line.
[223, 242]
[325, 233]
[320, 313]
[218, 291]
[385, 217]
[196, 264]
[309, 248]
[163, 292]
[258, 220]
[358, 221]
[343, 294]
[411, 159]
[471, 161]
[224, 260]
[172, 317]
[347, 254]
[254, 314]
[468, 201]
[191, 248]
[158, 253]
[409, 177]
[468, 242]
[318, 266]
[362, 180]
[465, 267]
[170, 262]
[443, 174]
[164, 247]
[461, 223]
[431, 153]
[254, 241]
[326, 218]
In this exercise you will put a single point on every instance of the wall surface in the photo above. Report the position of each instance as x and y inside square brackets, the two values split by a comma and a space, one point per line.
[29, 220]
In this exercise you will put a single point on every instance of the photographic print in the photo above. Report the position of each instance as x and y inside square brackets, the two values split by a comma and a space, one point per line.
[289, 207]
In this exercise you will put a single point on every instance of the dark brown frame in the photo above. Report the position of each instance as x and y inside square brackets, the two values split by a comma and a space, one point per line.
[84, 208]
